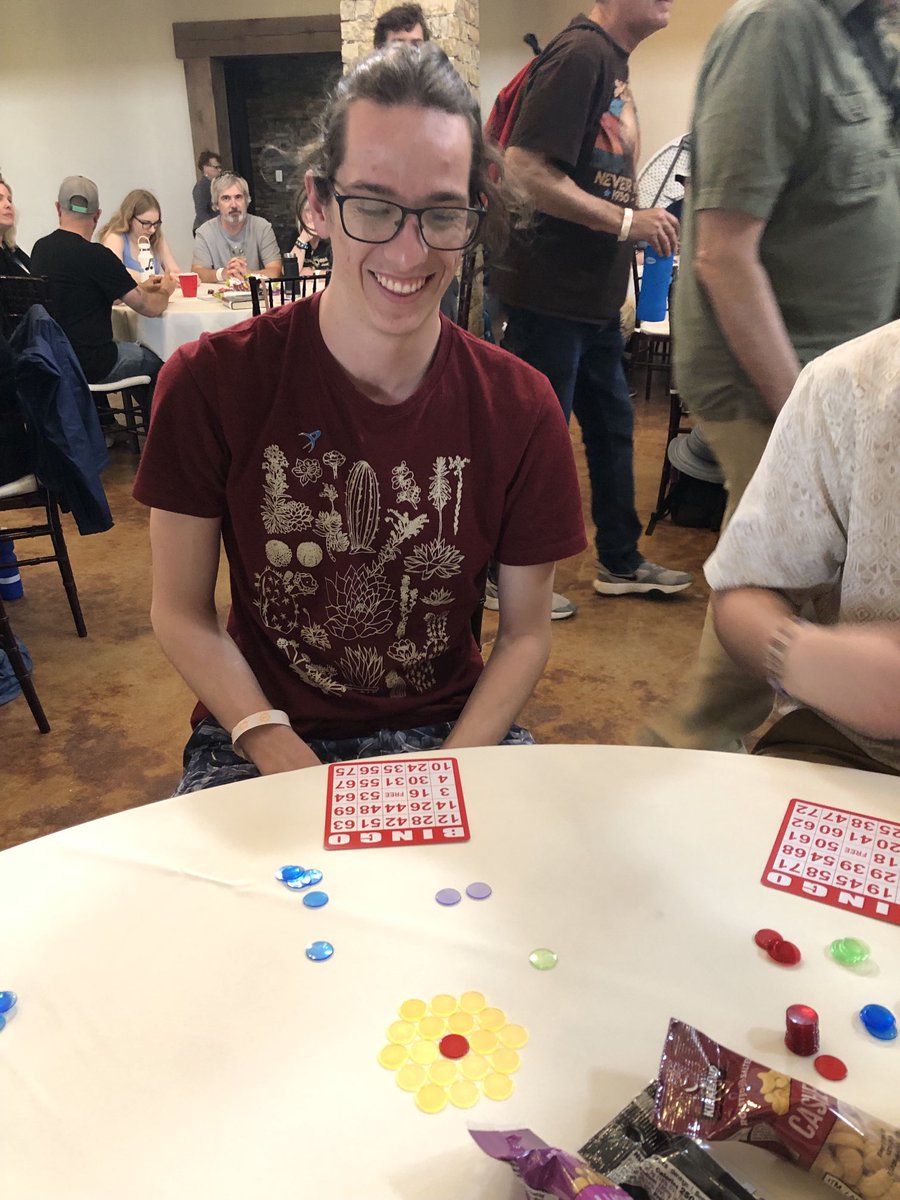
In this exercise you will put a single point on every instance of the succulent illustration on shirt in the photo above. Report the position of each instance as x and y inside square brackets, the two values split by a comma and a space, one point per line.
[437, 597]
[330, 525]
[318, 675]
[360, 602]
[333, 459]
[362, 668]
[307, 470]
[277, 597]
[404, 484]
[363, 507]
[403, 527]
[280, 514]
[432, 558]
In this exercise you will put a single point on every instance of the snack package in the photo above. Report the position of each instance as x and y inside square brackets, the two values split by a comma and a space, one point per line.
[706, 1091]
[548, 1173]
[664, 1166]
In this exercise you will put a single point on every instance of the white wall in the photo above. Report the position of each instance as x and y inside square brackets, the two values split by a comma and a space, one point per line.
[95, 89]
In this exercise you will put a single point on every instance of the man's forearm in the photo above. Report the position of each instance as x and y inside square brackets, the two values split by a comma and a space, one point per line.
[554, 193]
[206, 274]
[508, 679]
[747, 311]
[850, 673]
[213, 667]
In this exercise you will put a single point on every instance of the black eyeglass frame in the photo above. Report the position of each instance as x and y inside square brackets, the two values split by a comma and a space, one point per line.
[479, 213]
[149, 224]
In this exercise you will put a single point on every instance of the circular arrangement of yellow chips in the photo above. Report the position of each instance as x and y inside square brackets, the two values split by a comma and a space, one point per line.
[414, 1051]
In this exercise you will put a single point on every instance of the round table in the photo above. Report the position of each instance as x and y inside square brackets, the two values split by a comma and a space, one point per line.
[186, 318]
[173, 1039]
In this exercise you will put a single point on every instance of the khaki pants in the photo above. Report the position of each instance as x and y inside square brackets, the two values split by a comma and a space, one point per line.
[719, 703]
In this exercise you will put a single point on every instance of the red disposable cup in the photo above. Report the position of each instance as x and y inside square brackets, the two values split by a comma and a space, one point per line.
[188, 282]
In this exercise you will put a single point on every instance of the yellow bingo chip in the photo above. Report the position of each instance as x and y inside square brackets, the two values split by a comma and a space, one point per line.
[442, 1072]
[431, 1098]
[411, 1010]
[497, 1086]
[505, 1061]
[461, 1022]
[423, 1053]
[483, 1041]
[392, 1056]
[513, 1036]
[443, 1005]
[463, 1093]
[401, 1032]
[474, 1066]
[472, 1002]
[411, 1077]
[431, 1028]
[492, 1019]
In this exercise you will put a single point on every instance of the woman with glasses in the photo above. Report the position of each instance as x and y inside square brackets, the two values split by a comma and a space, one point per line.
[138, 216]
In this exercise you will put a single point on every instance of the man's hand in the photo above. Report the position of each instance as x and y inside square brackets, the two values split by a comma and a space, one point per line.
[656, 226]
[236, 267]
[159, 283]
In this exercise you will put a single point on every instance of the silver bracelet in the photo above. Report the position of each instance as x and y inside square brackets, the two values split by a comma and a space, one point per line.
[776, 652]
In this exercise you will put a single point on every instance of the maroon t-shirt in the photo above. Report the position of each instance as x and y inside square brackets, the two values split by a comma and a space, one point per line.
[357, 533]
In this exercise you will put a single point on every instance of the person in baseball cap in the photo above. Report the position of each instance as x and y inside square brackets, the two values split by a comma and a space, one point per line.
[79, 195]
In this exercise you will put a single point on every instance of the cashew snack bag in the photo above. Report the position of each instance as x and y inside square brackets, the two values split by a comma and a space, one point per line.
[707, 1091]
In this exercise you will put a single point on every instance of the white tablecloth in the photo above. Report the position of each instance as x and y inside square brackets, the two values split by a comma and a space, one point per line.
[174, 1041]
[183, 321]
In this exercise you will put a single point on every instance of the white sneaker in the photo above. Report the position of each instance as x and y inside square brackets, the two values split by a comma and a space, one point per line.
[560, 606]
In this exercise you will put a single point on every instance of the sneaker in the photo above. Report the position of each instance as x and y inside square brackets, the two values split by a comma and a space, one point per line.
[648, 577]
[560, 606]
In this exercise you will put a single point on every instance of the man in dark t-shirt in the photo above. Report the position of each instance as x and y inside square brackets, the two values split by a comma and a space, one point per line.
[574, 144]
[85, 279]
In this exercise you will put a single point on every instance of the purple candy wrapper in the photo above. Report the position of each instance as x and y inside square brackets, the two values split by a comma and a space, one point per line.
[546, 1171]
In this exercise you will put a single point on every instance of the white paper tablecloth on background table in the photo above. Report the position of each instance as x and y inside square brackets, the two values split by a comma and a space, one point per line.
[172, 1039]
[183, 320]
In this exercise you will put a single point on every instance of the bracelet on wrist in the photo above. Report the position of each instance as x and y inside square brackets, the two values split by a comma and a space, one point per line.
[777, 649]
[301, 245]
[627, 218]
[267, 716]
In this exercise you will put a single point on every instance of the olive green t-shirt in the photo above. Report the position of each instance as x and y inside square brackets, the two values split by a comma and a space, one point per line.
[790, 127]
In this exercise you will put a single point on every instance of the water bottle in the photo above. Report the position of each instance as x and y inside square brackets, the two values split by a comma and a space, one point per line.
[145, 256]
[10, 579]
[653, 300]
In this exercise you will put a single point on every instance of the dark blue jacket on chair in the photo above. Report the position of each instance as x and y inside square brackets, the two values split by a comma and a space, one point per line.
[69, 449]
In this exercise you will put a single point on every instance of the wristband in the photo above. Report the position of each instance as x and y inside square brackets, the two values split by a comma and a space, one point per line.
[627, 218]
[220, 274]
[268, 716]
[301, 245]
[776, 651]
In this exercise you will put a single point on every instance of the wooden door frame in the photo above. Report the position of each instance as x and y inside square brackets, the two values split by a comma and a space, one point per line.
[201, 46]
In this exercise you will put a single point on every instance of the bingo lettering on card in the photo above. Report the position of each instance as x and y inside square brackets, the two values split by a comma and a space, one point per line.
[394, 802]
[840, 858]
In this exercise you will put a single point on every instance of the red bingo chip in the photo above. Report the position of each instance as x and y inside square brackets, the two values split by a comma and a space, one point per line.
[785, 953]
[765, 938]
[831, 1068]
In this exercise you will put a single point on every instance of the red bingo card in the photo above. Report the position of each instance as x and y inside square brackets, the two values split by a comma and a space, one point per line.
[840, 858]
[394, 802]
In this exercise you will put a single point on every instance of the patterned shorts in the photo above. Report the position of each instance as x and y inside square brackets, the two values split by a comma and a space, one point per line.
[211, 760]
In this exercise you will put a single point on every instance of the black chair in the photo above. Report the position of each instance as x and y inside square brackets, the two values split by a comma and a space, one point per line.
[268, 293]
[466, 282]
[17, 295]
[9, 644]
[651, 342]
[677, 418]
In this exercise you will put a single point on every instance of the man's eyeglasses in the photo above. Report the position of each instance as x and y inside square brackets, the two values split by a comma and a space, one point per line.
[148, 224]
[378, 221]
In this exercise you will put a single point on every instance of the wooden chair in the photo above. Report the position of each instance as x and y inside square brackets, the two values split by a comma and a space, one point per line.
[272, 293]
[9, 644]
[26, 494]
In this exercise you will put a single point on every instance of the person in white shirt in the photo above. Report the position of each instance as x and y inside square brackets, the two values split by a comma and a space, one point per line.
[819, 526]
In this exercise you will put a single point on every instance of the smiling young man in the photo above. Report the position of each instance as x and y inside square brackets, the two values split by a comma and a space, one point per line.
[362, 458]
[234, 243]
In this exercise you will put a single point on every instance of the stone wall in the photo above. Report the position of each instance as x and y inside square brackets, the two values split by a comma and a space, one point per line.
[453, 23]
